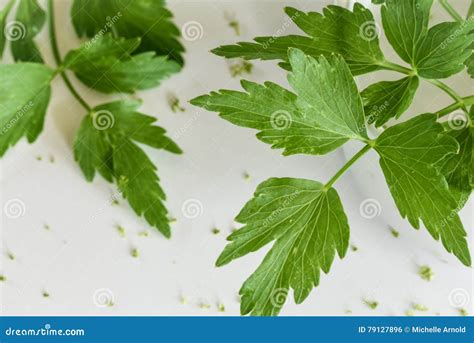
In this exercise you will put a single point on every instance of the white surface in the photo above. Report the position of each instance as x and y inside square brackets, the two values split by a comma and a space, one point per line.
[83, 252]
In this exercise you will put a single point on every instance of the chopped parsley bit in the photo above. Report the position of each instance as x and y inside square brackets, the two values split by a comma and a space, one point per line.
[46, 227]
[115, 202]
[172, 220]
[10, 255]
[183, 300]
[394, 232]
[426, 273]
[354, 248]
[51, 159]
[409, 313]
[419, 307]
[3, 278]
[246, 176]
[221, 307]
[45, 294]
[239, 68]
[204, 306]
[173, 102]
[216, 231]
[143, 233]
[134, 253]
[348, 311]
[39, 158]
[110, 303]
[121, 230]
[463, 312]
[234, 24]
[371, 304]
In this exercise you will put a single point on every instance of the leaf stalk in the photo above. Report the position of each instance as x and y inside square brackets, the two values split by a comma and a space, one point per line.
[57, 58]
[348, 164]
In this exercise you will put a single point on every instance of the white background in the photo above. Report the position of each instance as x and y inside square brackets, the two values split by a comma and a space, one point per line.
[83, 252]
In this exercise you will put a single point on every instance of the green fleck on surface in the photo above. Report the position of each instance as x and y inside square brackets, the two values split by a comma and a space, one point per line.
[134, 253]
[394, 232]
[371, 304]
[419, 307]
[240, 68]
[426, 273]
[121, 230]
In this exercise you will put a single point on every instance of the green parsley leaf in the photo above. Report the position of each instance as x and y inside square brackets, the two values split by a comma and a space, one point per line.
[435, 53]
[24, 96]
[3, 16]
[30, 19]
[388, 99]
[316, 121]
[445, 49]
[353, 35]
[458, 168]
[406, 25]
[470, 65]
[308, 225]
[106, 65]
[106, 143]
[145, 19]
[408, 152]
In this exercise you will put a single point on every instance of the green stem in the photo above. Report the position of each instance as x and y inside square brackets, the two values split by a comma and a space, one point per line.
[57, 58]
[348, 165]
[466, 101]
[452, 12]
[441, 85]
[451, 92]
[396, 67]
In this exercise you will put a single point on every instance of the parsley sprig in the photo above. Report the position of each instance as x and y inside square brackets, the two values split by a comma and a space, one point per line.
[134, 45]
[427, 160]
